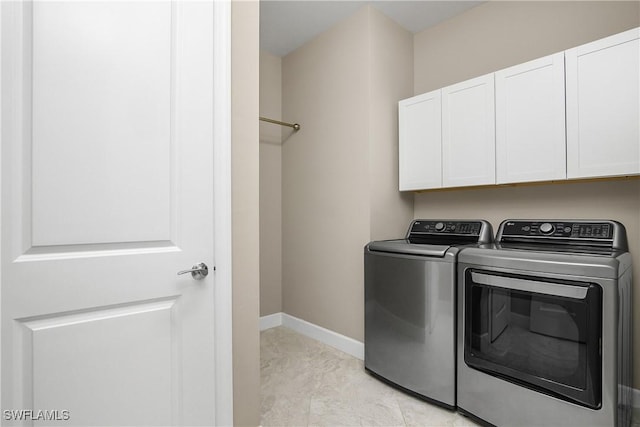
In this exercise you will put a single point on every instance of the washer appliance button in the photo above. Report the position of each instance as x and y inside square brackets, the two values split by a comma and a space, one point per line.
[439, 226]
[546, 228]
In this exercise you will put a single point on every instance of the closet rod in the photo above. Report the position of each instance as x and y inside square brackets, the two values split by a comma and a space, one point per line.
[295, 126]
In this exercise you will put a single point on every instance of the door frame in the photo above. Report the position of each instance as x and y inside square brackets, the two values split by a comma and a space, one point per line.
[221, 213]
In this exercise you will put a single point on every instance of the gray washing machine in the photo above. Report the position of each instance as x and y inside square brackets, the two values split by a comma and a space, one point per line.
[410, 306]
[544, 325]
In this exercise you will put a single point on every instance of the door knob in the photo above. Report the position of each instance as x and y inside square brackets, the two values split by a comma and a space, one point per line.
[198, 271]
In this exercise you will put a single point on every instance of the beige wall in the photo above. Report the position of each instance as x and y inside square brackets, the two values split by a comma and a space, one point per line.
[325, 216]
[336, 185]
[391, 72]
[270, 185]
[270, 97]
[499, 34]
[245, 202]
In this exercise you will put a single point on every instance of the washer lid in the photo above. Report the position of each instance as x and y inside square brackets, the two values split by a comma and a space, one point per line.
[404, 247]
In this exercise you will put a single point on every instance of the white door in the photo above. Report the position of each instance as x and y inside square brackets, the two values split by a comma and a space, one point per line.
[468, 133]
[107, 191]
[603, 107]
[420, 147]
[530, 121]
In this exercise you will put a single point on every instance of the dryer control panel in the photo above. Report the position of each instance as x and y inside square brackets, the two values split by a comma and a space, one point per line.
[605, 233]
[566, 229]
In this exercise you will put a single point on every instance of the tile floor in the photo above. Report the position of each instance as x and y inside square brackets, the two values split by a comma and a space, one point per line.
[307, 383]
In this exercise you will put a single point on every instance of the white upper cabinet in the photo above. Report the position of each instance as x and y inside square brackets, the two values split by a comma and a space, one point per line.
[574, 114]
[420, 148]
[468, 133]
[603, 107]
[530, 121]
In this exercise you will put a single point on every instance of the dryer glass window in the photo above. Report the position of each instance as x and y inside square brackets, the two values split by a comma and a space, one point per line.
[539, 333]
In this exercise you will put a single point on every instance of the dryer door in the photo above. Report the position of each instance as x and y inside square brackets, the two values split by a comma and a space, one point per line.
[540, 333]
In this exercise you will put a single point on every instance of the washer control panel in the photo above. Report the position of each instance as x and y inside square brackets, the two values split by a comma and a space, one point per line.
[561, 229]
[449, 232]
[446, 227]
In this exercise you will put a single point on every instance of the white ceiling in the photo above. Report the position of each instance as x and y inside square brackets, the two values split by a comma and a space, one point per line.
[287, 25]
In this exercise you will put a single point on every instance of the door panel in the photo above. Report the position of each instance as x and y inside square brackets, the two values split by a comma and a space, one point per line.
[530, 121]
[101, 103]
[420, 147]
[468, 133]
[603, 106]
[80, 351]
[107, 192]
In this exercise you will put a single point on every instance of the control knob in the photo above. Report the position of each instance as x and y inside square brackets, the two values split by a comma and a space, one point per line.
[546, 228]
[439, 226]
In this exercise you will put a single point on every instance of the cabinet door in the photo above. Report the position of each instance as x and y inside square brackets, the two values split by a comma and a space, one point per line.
[420, 147]
[603, 113]
[530, 121]
[468, 133]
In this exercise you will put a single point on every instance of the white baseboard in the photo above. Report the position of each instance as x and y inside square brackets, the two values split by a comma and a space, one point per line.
[270, 321]
[341, 342]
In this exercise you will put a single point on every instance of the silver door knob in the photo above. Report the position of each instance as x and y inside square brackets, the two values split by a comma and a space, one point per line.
[198, 271]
